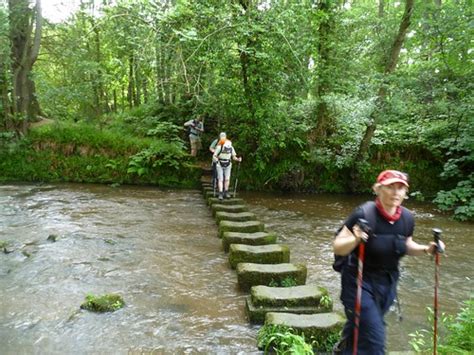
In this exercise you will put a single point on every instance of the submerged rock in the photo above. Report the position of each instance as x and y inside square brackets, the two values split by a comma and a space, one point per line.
[104, 303]
[52, 238]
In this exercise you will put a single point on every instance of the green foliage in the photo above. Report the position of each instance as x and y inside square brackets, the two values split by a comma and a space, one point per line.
[104, 303]
[269, 75]
[282, 340]
[158, 155]
[458, 333]
[83, 153]
[326, 301]
[286, 282]
[460, 200]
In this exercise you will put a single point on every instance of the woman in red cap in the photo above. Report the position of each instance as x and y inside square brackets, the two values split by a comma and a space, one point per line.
[388, 238]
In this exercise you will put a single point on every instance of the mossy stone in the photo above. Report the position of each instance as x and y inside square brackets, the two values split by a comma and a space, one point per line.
[315, 327]
[258, 238]
[304, 295]
[242, 227]
[260, 254]
[251, 274]
[235, 216]
[104, 303]
[256, 314]
[227, 208]
[214, 200]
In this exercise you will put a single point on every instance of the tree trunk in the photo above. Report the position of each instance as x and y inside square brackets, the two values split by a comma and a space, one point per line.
[130, 92]
[245, 64]
[390, 65]
[25, 36]
[324, 121]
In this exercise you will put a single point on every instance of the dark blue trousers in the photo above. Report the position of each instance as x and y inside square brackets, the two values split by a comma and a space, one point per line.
[378, 293]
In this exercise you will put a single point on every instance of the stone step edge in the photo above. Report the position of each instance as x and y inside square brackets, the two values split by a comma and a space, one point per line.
[310, 295]
[257, 314]
[256, 238]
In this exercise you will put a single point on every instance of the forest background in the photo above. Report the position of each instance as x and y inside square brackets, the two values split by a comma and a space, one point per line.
[317, 96]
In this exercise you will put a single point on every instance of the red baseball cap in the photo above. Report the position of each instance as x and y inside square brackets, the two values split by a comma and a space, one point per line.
[388, 177]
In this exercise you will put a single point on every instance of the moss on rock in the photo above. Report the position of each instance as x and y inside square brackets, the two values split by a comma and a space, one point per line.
[258, 238]
[105, 303]
[242, 227]
[259, 254]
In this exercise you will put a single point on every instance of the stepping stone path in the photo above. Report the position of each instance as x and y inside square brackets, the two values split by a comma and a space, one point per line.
[278, 293]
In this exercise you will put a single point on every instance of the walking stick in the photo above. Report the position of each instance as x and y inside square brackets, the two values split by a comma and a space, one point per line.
[364, 225]
[214, 178]
[236, 179]
[437, 237]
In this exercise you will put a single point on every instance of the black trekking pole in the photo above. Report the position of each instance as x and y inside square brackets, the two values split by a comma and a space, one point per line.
[364, 225]
[439, 249]
[236, 180]
[214, 178]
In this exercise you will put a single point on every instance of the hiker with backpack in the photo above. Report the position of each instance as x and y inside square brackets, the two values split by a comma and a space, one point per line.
[195, 128]
[223, 156]
[368, 248]
[212, 149]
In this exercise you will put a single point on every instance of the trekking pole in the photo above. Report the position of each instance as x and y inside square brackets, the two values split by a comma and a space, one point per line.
[437, 237]
[364, 225]
[236, 179]
[214, 179]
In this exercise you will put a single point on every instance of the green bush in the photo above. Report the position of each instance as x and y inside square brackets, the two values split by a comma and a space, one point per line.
[459, 333]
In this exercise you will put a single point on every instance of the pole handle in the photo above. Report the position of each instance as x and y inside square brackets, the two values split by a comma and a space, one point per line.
[364, 225]
[437, 237]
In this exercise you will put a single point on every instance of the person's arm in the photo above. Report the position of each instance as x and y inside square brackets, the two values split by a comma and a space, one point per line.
[215, 156]
[415, 249]
[188, 123]
[234, 156]
[346, 241]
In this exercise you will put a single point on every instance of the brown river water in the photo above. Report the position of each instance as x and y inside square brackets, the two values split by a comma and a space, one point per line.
[159, 250]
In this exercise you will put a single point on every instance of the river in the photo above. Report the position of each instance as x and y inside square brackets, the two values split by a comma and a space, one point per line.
[159, 250]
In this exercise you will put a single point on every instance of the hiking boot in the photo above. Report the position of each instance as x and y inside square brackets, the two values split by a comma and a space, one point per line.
[221, 196]
[226, 195]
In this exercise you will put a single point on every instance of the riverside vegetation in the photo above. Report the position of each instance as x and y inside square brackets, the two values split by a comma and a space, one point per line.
[317, 98]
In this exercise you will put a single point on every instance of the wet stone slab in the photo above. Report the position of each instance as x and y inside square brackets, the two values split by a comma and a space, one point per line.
[251, 274]
[305, 299]
[258, 238]
[228, 208]
[314, 326]
[235, 216]
[212, 200]
[260, 254]
[242, 227]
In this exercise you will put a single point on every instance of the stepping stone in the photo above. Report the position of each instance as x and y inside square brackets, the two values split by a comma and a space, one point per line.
[251, 274]
[228, 201]
[206, 191]
[258, 238]
[235, 216]
[242, 227]
[206, 179]
[306, 299]
[228, 208]
[259, 254]
[205, 185]
[206, 171]
[315, 327]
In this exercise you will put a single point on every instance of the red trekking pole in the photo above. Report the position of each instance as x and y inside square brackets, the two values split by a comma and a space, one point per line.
[438, 250]
[364, 225]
